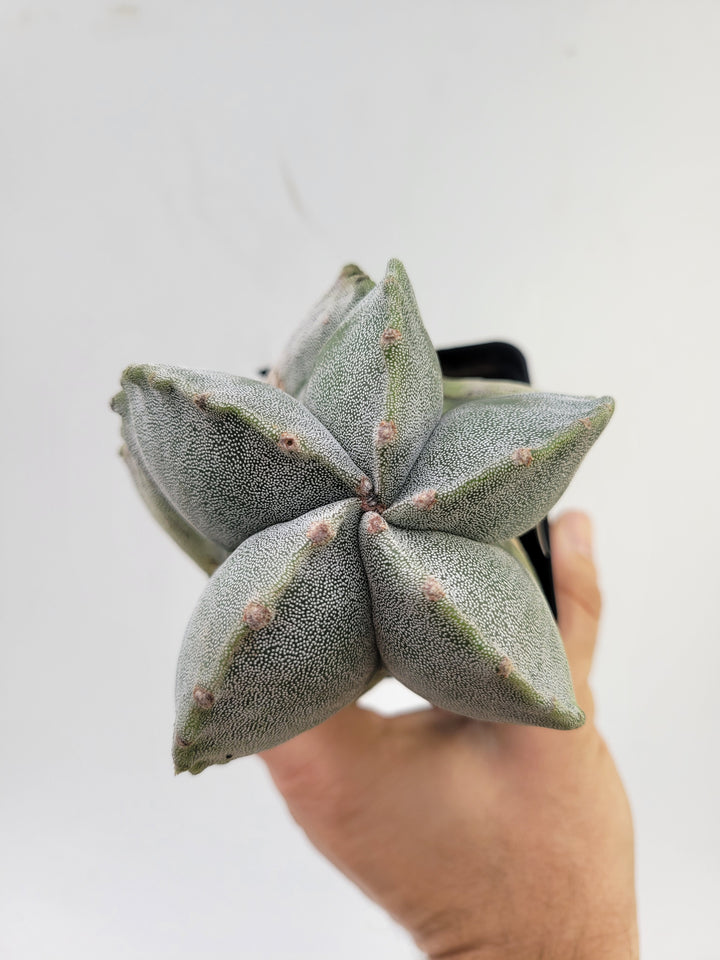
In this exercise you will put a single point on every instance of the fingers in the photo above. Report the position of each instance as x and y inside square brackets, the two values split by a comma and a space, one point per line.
[577, 592]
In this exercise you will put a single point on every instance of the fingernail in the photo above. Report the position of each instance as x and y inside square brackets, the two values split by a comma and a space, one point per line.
[578, 530]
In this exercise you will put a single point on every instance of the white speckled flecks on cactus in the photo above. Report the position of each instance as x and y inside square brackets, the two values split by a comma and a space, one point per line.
[352, 527]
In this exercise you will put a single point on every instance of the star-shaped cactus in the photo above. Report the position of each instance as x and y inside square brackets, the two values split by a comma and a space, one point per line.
[352, 527]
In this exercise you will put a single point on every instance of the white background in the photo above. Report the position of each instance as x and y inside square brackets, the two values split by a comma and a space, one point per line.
[180, 181]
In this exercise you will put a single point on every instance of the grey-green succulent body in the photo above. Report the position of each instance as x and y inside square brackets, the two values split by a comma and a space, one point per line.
[356, 518]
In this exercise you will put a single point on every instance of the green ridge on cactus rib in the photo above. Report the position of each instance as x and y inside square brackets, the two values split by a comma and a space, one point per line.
[232, 455]
[485, 645]
[498, 465]
[316, 655]
[457, 390]
[379, 371]
[292, 371]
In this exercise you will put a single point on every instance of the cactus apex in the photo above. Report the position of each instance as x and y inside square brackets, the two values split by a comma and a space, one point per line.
[319, 533]
[386, 433]
[522, 456]
[257, 615]
[368, 498]
[203, 698]
[433, 590]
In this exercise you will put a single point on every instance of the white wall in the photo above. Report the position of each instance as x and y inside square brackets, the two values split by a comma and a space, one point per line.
[179, 181]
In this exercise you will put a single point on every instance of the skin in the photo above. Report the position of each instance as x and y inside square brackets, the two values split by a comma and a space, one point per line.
[485, 841]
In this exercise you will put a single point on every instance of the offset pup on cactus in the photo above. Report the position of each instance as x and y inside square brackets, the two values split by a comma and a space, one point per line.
[352, 527]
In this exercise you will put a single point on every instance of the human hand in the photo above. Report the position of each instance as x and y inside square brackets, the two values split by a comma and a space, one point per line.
[484, 840]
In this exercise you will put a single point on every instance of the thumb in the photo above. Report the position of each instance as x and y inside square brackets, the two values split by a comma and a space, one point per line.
[577, 593]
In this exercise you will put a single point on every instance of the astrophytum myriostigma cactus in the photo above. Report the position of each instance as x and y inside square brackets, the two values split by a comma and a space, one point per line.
[351, 526]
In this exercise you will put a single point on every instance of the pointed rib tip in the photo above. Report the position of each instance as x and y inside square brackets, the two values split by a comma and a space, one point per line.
[396, 274]
[118, 403]
[568, 719]
[179, 764]
[137, 373]
[351, 271]
[397, 285]
[182, 755]
[609, 404]
[188, 759]
[183, 766]
[395, 268]
[602, 413]
[155, 375]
